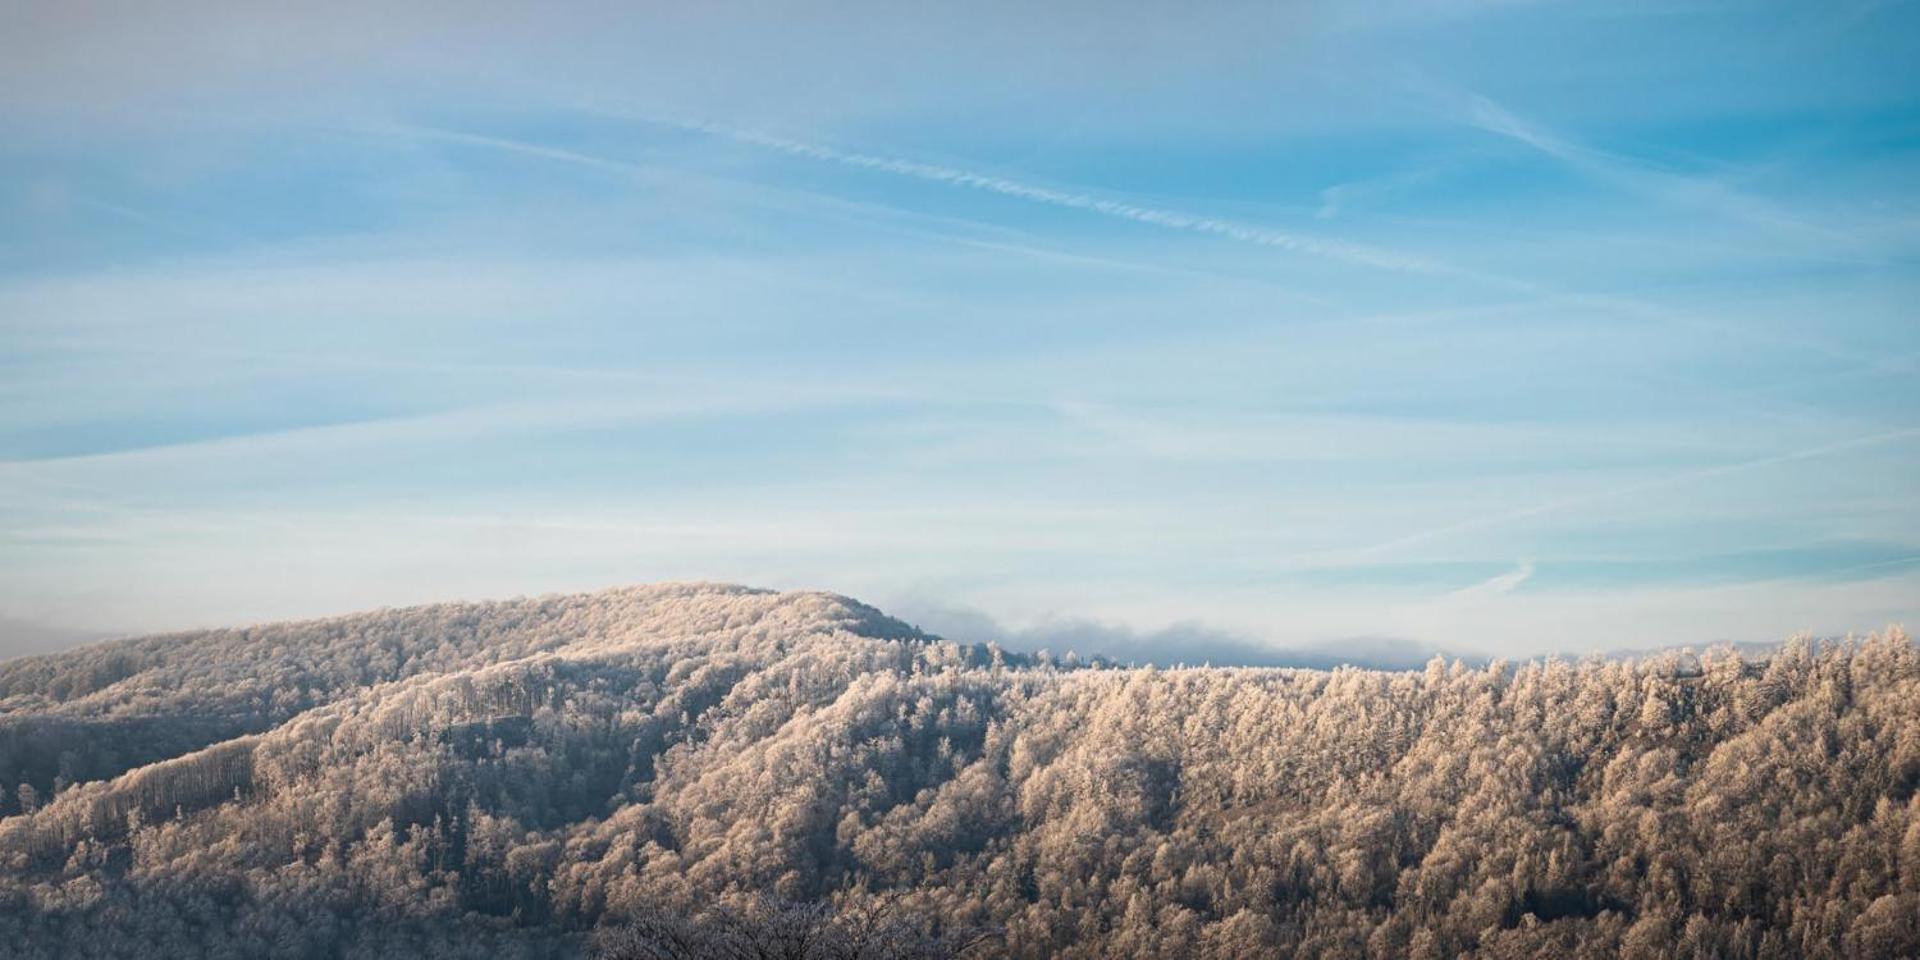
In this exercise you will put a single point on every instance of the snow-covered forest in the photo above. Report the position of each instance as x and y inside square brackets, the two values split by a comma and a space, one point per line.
[662, 771]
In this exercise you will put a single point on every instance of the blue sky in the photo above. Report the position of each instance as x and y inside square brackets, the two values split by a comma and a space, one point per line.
[1499, 326]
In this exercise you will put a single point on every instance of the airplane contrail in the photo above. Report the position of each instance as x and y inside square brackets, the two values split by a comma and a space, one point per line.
[1154, 216]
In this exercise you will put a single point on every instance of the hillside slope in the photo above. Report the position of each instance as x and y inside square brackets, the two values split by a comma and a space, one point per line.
[500, 779]
[96, 712]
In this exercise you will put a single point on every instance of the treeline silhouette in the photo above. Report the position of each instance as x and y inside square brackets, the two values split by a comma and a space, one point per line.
[698, 771]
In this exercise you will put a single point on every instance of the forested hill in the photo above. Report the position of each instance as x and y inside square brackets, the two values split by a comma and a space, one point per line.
[99, 711]
[658, 770]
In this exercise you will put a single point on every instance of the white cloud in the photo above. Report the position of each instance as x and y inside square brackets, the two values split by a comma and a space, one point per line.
[1340, 250]
[1495, 586]
[1631, 489]
[1694, 192]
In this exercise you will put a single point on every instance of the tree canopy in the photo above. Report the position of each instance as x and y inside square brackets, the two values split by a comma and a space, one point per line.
[607, 772]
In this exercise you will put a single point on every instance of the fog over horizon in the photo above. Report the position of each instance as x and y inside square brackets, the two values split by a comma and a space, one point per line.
[1083, 639]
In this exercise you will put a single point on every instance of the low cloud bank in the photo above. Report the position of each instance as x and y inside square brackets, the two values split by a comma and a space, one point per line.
[1188, 642]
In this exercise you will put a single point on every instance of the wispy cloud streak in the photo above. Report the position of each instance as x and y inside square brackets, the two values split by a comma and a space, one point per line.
[1340, 250]
[1494, 586]
[1616, 493]
[512, 146]
[1701, 193]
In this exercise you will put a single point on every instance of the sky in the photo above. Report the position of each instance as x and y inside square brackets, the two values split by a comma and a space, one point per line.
[1485, 325]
